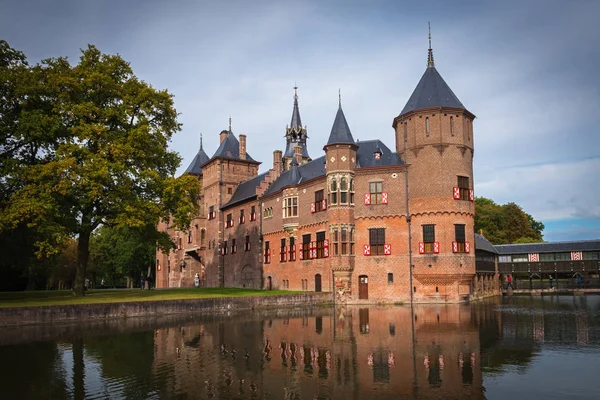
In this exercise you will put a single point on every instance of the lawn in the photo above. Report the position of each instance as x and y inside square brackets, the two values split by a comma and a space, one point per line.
[64, 297]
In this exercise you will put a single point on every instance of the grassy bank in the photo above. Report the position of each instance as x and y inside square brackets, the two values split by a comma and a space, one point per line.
[64, 297]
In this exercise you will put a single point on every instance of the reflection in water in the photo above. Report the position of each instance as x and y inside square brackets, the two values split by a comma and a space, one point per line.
[438, 351]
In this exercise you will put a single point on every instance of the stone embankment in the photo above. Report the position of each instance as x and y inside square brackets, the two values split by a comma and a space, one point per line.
[87, 312]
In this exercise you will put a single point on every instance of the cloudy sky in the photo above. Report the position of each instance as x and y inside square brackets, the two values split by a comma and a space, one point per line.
[526, 68]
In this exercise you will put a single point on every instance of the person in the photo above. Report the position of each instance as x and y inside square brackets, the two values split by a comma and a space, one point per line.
[509, 282]
[102, 284]
[142, 283]
[196, 280]
[149, 282]
[579, 281]
[550, 281]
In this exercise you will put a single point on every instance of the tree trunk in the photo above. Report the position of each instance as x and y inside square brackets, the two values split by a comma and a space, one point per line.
[83, 254]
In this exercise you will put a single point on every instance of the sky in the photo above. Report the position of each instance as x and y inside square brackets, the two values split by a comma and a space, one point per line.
[526, 69]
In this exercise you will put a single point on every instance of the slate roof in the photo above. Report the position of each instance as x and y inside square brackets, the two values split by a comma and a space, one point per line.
[340, 131]
[296, 122]
[297, 174]
[365, 155]
[245, 190]
[526, 248]
[199, 159]
[481, 243]
[230, 148]
[289, 150]
[432, 91]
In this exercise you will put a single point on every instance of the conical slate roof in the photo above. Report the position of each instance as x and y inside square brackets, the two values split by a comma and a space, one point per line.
[432, 91]
[230, 148]
[196, 164]
[340, 132]
[296, 122]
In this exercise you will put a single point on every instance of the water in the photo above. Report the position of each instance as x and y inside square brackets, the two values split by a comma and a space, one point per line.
[515, 348]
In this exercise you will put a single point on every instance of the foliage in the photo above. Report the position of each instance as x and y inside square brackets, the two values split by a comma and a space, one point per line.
[85, 146]
[508, 223]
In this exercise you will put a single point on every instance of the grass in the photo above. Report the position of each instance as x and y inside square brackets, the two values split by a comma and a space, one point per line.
[65, 297]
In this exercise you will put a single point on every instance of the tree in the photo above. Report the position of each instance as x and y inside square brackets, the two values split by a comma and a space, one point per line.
[103, 157]
[506, 223]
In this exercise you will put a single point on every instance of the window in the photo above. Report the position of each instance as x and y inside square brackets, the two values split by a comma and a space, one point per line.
[319, 203]
[179, 245]
[233, 247]
[351, 241]
[377, 240]
[190, 237]
[590, 255]
[320, 244]
[282, 252]
[268, 212]
[290, 207]
[452, 126]
[229, 190]
[253, 213]
[306, 247]
[333, 192]
[504, 259]
[459, 237]
[463, 187]
[562, 256]
[292, 251]
[336, 242]
[376, 188]
[242, 217]
[351, 191]
[267, 254]
[247, 243]
[211, 212]
[429, 238]
[520, 258]
[390, 278]
[229, 222]
[344, 191]
[427, 126]
[345, 241]
[224, 249]
[547, 256]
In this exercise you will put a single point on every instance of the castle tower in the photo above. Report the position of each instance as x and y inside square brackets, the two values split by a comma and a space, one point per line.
[434, 135]
[295, 135]
[340, 156]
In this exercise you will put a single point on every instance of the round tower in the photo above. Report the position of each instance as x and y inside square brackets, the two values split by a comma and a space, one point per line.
[434, 135]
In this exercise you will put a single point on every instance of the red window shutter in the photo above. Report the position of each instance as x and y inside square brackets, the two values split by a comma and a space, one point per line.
[387, 249]
[454, 247]
[471, 195]
[436, 247]
[324, 204]
[232, 222]
[300, 254]
[384, 198]
[326, 248]
[269, 256]
[313, 208]
[421, 248]
[313, 246]
[285, 257]
[456, 193]
[467, 247]
[367, 250]
[367, 199]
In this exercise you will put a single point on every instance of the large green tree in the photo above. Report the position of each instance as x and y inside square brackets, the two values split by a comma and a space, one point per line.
[508, 223]
[100, 154]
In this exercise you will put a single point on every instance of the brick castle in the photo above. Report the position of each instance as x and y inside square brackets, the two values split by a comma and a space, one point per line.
[355, 221]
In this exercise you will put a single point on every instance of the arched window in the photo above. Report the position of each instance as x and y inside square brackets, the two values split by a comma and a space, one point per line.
[344, 191]
[452, 126]
[333, 192]
[351, 191]
[427, 126]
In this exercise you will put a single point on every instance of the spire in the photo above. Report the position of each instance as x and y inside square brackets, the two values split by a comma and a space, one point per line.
[230, 123]
[340, 97]
[430, 51]
[296, 123]
[340, 131]
[201, 141]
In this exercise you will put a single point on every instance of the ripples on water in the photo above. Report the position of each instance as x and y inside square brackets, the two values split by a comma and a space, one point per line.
[517, 348]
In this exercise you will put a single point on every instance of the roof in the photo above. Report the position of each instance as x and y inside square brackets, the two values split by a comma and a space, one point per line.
[432, 91]
[245, 190]
[548, 247]
[481, 243]
[289, 149]
[200, 159]
[298, 174]
[340, 131]
[296, 122]
[365, 154]
[230, 148]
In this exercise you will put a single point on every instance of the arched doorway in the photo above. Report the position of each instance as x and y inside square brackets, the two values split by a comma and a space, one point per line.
[269, 283]
[363, 287]
[317, 282]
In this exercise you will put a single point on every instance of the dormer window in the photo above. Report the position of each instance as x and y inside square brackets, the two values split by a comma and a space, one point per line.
[377, 155]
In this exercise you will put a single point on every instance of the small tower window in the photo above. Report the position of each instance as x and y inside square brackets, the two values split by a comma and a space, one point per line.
[344, 191]
[333, 192]
[427, 126]
[452, 126]
[351, 191]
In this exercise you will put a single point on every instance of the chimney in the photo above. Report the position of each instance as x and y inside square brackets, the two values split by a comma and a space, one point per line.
[222, 135]
[298, 154]
[242, 147]
[277, 162]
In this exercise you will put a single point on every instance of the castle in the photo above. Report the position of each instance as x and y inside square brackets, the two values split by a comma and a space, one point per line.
[363, 221]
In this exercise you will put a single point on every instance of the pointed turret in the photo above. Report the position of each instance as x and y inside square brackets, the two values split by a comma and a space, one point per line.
[201, 157]
[295, 135]
[340, 132]
[296, 123]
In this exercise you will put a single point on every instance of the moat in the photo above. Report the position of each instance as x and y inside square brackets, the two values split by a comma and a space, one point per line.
[512, 347]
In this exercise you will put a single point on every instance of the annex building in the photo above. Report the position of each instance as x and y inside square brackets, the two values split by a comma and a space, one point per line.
[354, 218]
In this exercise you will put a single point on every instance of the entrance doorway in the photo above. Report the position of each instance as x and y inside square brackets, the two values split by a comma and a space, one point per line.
[363, 287]
[317, 282]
